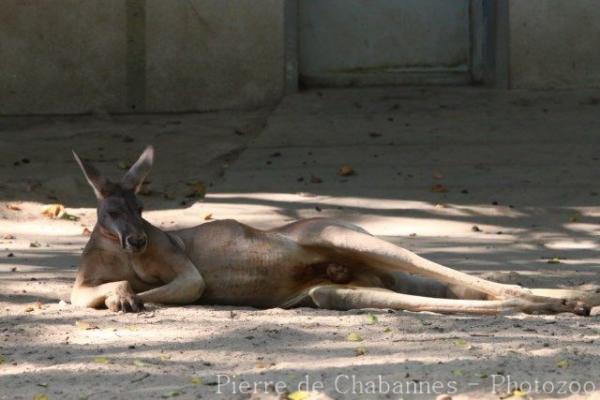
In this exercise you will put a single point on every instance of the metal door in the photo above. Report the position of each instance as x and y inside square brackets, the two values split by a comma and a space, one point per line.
[381, 42]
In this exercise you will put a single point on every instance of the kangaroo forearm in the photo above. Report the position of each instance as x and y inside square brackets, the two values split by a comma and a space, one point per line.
[182, 290]
[95, 296]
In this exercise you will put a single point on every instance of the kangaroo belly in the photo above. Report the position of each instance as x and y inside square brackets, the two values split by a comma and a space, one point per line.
[244, 266]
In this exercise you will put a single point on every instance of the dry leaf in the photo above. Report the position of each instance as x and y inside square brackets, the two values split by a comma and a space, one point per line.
[2, 360]
[13, 207]
[85, 326]
[460, 343]
[86, 232]
[29, 309]
[345, 170]
[8, 236]
[56, 211]
[198, 189]
[575, 217]
[562, 363]
[387, 330]
[553, 260]
[139, 363]
[439, 188]
[354, 337]
[514, 393]
[299, 395]
[372, 319]
[207, 216]
[360, 351]
[169, 195]
[53, 211]
[196, 380]
[39, 396]
[164, 357]
[101, 360]
[145, 190]
[35, 244]
[172, 393]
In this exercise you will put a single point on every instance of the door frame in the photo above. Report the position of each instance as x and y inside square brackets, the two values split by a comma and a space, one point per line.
[488, 54]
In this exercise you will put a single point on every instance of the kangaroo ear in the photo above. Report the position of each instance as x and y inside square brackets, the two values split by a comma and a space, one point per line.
[134, 178]
[99, 183]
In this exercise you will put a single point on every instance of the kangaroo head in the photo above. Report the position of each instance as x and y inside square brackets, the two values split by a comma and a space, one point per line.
[119, 209]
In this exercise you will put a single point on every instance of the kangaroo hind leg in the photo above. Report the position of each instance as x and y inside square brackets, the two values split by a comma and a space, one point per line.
[345, 297]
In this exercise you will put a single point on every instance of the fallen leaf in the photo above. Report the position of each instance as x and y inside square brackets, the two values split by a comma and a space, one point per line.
[360, 351]
[2, 360]
[172, 393]
[299, 395]
[164, 357]
[197, 189]
[437, 175]
[207, 216]
[439, 188]
[514, 393]
[8, 236]
[553, 260]
[345, 170]
[475, 228]
[196, 380]
[53, 211]
[169, 195]
[35, 244]
[372, 318]
[29, 309]
[562, 363]
[39, 396]
[354, 337]
[70, 217]
[575, 217]
[387, 330]
[86, 232]
[13, 207]
[85, 326]
[460, 343]
[458, 372]
[145, 190]
[101, 360]
[139, 363]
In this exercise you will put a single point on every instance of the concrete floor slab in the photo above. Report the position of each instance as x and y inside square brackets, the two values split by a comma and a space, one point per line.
[520, 166]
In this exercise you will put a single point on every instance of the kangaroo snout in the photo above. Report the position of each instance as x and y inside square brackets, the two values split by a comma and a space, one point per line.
[136, 242]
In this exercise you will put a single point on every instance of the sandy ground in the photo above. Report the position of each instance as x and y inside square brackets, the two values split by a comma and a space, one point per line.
[521, 167]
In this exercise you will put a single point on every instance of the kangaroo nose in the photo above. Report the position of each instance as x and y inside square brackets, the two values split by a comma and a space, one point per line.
[137, 242]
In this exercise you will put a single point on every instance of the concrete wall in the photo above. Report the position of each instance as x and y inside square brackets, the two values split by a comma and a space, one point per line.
[554, 44]
[77, 56]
